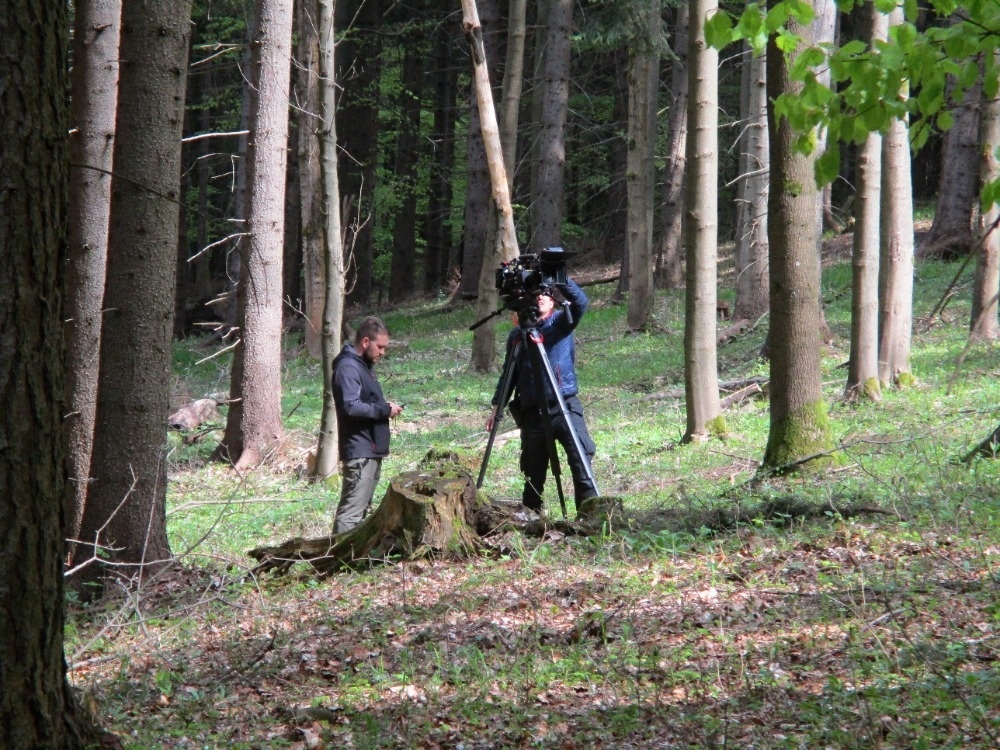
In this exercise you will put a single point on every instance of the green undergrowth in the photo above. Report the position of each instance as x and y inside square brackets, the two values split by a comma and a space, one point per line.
[851, 607]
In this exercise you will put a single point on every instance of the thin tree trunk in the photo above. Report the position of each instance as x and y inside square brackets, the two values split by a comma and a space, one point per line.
[438, 224]
[983, 323]
[484, 353]
[94, 100]
[253, 425]
[862, 366]
[670, 266]
[310, 191]
[751, 210]
[402, 277]
[547, 201]
[333, 307]
[701, 382]
[359, 71]
[644, 82]
[478, 180]
[799, 425]
[896, 248]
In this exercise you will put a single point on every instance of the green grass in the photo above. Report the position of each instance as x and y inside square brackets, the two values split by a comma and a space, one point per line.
[874, 630]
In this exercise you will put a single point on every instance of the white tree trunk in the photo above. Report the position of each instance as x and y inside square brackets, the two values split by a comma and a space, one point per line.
[701, 382]
[334, 271]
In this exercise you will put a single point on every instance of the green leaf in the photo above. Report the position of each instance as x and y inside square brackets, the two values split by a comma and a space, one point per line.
[776, 17]
[786, 42]
[719, 30]
[945, 120]
[828, 165]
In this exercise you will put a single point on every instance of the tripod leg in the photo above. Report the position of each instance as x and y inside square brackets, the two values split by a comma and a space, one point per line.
[506, 386]
[541, 356]
[540, 367]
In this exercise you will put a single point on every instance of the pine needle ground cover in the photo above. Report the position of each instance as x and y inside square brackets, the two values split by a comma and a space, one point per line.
[853, 608]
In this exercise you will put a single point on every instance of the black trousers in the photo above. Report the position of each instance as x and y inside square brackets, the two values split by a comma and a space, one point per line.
[535, 452]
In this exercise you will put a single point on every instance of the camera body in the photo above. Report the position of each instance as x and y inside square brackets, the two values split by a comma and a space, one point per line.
[520, 281]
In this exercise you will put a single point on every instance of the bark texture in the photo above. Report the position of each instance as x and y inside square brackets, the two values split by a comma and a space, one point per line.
[896, 251]
[253, 425]
[547, 201]
[862, 366]
[126, 503]
[37, 709]
[751, 209]
[94, 98]
[670, 258]
[644, 79]
[983, 321]
[799, 426]
[701, 231]
[334, 275]
[952, 232]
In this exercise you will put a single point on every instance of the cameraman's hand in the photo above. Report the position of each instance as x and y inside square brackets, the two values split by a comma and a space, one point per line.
[492, 418]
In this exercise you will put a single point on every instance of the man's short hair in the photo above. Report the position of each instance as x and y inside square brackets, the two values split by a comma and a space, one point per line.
[371, 327]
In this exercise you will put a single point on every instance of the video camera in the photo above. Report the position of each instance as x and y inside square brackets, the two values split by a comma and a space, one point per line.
[521, 280]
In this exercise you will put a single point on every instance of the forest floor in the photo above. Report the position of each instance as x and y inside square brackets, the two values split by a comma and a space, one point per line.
[857, 607]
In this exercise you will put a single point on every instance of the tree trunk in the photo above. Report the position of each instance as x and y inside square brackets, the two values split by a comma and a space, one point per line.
[253, 425]
[799, 425]
[701, 230]
[751, 208]
[547, 200]
[333, 251]
[484, 353]
[402, 277]
[126, 514]
[307, 83]
[862, 366]
[983, 322]
[670, 267]
[94, 98]
[438, 223]
[615, 247]
[359, 70]
[896, 249]
[644, 79]
[477, 197]
[37, 708]
[952, 233]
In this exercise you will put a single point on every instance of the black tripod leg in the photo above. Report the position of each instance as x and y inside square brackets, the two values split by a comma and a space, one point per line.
[540, 366]
[506, 386]
[550, 376]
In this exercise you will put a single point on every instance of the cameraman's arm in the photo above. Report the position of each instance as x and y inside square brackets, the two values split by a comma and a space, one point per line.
[578, 301]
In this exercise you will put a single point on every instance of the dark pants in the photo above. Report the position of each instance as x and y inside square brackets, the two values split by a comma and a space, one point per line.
[535, 452]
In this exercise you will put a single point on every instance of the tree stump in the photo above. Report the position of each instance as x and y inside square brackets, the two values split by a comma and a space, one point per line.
[424, 513]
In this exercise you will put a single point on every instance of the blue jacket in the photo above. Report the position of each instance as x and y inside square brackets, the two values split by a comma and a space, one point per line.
[557, 337]
[362, 411]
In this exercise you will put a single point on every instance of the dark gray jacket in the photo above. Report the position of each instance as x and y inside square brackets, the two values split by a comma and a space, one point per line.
[362, 411]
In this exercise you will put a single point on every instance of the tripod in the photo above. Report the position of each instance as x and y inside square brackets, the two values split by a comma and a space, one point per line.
[530, 340]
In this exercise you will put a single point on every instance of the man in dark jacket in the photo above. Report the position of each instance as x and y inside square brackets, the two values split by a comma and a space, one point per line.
[363, 417]
[556, 328]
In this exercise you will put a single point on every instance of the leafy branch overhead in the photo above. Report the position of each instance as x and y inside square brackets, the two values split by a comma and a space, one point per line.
[872, 85]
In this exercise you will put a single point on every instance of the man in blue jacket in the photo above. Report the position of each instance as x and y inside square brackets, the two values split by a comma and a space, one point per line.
[363, 417]
[556, 329]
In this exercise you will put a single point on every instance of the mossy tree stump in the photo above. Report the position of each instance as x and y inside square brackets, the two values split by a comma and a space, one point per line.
[425, 512]
[432, 511]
